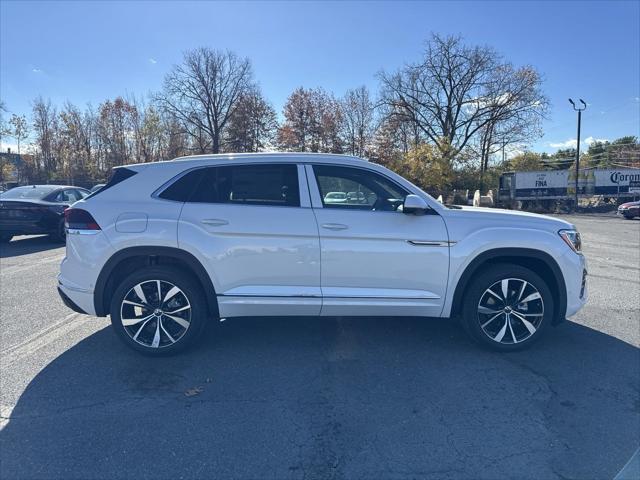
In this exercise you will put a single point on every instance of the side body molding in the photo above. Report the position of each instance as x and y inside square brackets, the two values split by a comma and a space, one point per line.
[102, 284]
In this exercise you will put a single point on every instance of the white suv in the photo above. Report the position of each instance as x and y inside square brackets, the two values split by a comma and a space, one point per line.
[164, 248]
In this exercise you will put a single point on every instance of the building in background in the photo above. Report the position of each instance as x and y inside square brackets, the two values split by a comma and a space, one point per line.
[12, 166]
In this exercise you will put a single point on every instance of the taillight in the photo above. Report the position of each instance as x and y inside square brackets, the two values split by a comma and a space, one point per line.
[78, 219]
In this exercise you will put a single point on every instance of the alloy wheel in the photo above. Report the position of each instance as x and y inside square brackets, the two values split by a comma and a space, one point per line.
[510, 311]
[155, 313]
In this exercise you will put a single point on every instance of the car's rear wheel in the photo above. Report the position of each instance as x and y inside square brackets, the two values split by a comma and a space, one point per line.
[60, 233]
[507, 307]
[158, 311]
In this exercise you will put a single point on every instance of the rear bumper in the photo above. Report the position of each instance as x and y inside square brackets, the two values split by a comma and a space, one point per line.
[78, 300]
[69, 303]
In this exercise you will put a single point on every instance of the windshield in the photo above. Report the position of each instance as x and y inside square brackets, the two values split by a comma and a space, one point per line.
[33, 192]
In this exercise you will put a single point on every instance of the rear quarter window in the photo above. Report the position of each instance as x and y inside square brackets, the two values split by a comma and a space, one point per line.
[184, 187]
[118, 175]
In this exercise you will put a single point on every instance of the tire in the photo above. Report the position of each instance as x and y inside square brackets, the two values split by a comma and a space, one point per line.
[628, 217]
[507, 326]
[60, 235]
[158, 328]
[5, 238]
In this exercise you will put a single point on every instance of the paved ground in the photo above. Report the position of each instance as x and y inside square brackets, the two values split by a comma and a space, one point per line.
[311, 398]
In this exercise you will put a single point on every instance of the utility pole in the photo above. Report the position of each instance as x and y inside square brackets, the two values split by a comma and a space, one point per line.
[579, 110]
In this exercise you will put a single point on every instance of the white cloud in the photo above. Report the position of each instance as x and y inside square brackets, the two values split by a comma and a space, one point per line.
[36, 70]
[571, 143]
[590, 140]
[152, 61]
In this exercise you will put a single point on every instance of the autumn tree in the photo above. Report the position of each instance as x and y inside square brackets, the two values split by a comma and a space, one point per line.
[299, 120]
[116, 132]
[327, 126]
[76, 138]
[425, 166]
[203, 92]
[253, 125]
[313, 122]
[525, 162]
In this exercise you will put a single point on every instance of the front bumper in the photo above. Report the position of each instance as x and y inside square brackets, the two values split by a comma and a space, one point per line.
[575, 271]
[628, 213]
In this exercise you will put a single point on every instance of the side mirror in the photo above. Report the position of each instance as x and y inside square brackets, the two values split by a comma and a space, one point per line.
[413, 204]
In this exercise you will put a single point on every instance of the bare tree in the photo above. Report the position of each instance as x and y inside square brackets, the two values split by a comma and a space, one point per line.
[358, 120]
[45, 125]
[203, 91]
[519, 108]
[455, 91]
[19, 128]
[5, 131]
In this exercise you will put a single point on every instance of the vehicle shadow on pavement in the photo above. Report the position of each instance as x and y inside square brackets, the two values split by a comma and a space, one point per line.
[26, 245]
[331, 398]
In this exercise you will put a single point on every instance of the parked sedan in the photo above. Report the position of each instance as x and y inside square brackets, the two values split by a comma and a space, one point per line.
[629, 210]
[36, 209]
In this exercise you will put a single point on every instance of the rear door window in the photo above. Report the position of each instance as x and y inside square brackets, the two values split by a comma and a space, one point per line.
[275, 185]
[270, 185]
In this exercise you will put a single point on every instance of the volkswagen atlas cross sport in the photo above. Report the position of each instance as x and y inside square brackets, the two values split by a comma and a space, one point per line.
[164, 248]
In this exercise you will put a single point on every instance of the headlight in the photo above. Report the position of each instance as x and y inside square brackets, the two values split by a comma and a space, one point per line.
[572, 238]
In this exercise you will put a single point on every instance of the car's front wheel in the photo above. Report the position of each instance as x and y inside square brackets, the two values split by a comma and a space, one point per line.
[507, 307]
[158, 311]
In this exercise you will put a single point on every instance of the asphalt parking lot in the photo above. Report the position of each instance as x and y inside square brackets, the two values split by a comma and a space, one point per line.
[321, 398]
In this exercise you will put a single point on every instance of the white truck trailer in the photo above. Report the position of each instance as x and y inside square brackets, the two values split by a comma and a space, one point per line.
[551, 185]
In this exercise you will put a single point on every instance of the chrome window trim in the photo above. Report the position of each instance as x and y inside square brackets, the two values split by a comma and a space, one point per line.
[301, 190]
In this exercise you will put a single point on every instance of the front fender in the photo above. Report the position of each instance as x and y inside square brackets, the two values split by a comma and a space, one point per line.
[490, 244]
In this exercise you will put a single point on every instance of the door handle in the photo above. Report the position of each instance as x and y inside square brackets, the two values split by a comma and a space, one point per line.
[334, 226]
[214, 222]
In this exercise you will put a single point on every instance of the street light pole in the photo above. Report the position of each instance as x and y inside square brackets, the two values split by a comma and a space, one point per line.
[579, 110]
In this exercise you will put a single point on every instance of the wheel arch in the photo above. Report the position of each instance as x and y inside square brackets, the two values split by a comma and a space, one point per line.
[536, 260]
[129, 259]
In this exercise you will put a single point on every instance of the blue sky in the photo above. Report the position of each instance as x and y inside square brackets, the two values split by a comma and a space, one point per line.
[91, 51]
